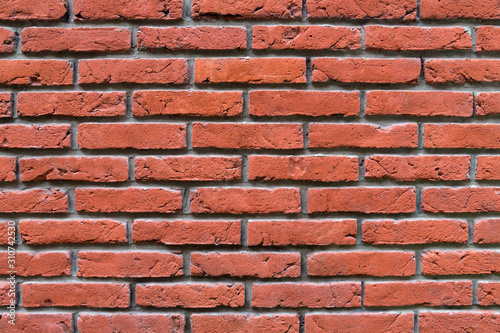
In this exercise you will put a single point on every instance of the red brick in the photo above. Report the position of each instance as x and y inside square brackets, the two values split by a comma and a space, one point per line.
[415, 232]
[488, 39]
[272, 103]
[247, 136]
[187, 103]
[462, 71]
[36, 264]
[361, 70]
[488, 293]
[75, 40]
[87, 169]
[119, 10]
[416, 38]
[8, 232]
[37, 323]
[7, 40]
[386, 200]
[191, 295]
[71, 104]
[306, 295]
[475, 136]
[251, 9]
[94, 295]
[47, 10]
[244, 323]
[405, 10]
[130, 323]
[131, 200]
[34, 201]
[458, 9]
[463, 321]
[488, 168]
[361, 263]
[134, 136]
[250, 70]
[311, 168]
[187, 232]
[7, 295]
[5, 105]
[359, 322]
[313, 232]
[188, 168]
[259, 265]
[192, 38]
[305, 38]
[419, 103]
[460, 199]
[41, 232]
[411, 168]
[460, 262]
[35, 136]
[7, 169]
[129, 264]
[245, 200]
[425, 293]
[36, 72]
[487, 231]
[141, 71]
[487, 104]
[363, 136]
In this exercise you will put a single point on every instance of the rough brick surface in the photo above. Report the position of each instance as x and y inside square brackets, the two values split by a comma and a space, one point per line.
[75, 40]
[281, 166]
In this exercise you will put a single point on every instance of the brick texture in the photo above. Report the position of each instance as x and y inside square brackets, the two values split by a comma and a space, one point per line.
[283, 166]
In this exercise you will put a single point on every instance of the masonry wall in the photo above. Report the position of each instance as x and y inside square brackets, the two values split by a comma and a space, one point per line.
[249, 166]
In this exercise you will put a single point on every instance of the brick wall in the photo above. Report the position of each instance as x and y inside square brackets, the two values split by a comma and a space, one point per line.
[250, 166]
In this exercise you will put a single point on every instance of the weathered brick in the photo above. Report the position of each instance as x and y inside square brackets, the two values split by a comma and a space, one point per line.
[71, 104]
[251, 9]
[283, 233]
[187, 232]
[415, 232]
[306, 295]
[250, 70]
[131, 136]
[411, 168]
[361, 263]
[272, 103]
[405, 10]
[192, 38]
[244, 323]
[41, 232]
[305, 38]
[191, 295]
[140, 71]
[187, 103]
[386, 200]
[129, 264]
[119, 10]
[75, 40]
[245, 200]
[361, 70]
[130, 323]
[361, 322]
[260, 265]
[87, 169]
[188, 168]
[419, 103]
[311, 168]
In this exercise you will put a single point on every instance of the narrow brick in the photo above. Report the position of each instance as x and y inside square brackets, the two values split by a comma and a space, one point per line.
[100, 10]
[251, 9]
[130, 322]
[75, 40]
[362, 322]
[187, 232]
[244, 323]
[284, 233]
[272, 103]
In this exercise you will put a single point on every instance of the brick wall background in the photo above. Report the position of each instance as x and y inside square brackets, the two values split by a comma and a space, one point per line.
[250, 166]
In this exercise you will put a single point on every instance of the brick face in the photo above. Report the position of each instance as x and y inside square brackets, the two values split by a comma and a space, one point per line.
[250, 166]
